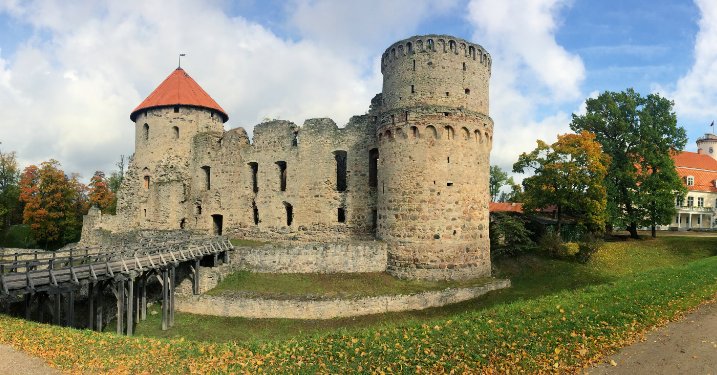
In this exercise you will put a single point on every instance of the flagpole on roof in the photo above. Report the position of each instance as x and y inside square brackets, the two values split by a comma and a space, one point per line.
[179, 65]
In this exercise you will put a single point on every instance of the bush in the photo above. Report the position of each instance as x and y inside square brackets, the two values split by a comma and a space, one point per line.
[508, 236]
[588, 245]
[18, 236]
[552, 245]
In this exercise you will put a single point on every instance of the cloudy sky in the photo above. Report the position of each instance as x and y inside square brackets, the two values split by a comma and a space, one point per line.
[71, 71]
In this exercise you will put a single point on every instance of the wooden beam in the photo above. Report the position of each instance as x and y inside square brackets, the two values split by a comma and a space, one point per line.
[130, 304]
[165, 299]
[172, 281]
[143, 299]
[119, 284]
[91, 305]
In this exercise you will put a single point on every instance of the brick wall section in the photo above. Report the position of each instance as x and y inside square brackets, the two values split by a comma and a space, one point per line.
[328, 309]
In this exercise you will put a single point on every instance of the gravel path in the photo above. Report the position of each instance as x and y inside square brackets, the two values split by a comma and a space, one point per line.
[13, 362]
[688, 346]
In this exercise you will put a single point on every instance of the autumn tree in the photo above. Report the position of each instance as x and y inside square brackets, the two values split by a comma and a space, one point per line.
[569, 175]
[100, 194]
[9, 191]
[639, 133]
[498, 179]
[54, 203]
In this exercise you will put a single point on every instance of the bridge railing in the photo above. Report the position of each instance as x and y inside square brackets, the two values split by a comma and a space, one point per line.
[70, 266]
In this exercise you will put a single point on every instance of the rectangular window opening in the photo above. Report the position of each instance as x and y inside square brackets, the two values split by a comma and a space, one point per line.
[342, 215]
[282, 175]
[373, 167]
[207, 177]
[254, 166]
[340, 157]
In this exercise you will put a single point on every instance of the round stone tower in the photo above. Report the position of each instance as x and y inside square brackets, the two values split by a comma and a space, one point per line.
[168, 119]
[707, 145]
[166, 123]
[435, 137]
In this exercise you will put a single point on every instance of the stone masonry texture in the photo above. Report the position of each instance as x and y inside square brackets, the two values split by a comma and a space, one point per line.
[412, 172]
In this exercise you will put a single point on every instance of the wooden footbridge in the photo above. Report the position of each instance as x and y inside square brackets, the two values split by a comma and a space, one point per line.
[55, 279]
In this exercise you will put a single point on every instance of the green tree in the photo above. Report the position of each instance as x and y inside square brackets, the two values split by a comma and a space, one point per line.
[639, 133]
[498, 179]
[54, 203]
[508, 236]
[569, 175]
[9, 191]
[514, 195]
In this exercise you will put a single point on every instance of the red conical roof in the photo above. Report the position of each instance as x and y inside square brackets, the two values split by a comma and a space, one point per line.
[179, 89]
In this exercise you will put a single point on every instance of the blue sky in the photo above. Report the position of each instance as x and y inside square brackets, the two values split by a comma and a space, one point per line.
[71, 71]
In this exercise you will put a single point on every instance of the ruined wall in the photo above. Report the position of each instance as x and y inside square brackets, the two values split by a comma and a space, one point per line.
[306, 205]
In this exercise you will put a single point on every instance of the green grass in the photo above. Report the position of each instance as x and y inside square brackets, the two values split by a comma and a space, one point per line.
[586, 312]
[531, 276]
[315, 286]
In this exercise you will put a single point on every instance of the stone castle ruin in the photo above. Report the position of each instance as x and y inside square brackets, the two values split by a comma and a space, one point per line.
[411, 174]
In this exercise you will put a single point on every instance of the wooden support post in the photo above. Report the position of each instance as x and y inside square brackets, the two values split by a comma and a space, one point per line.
[143, 299]
[165, 299]
[57, 309]
[130, 304]
[120, 305]
[91, 305]
[99, 308]
[28, 305]
[137, 300]
[70, 320]
[41, 300]
[172, 280]
[195, 281]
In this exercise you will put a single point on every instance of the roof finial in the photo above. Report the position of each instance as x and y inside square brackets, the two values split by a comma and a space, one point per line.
[180, 60]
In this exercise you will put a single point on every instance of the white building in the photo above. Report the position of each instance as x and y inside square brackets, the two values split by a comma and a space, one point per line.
[698, 171]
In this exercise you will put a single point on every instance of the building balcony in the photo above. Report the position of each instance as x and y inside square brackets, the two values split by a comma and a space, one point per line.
[695, 209]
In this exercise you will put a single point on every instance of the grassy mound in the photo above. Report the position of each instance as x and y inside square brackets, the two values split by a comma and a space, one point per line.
[312, 286]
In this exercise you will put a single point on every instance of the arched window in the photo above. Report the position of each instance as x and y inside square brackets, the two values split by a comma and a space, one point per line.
[176, 132]
[282, 174]
[466, 133]
[146, 182]
[431, 131]
[414, 132]
[146, 132]
[479, 138]
[429, 45]
[373, 167]
[450, 134]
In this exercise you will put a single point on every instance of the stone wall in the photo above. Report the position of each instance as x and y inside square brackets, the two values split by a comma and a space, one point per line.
[348, 257]
[259, 308]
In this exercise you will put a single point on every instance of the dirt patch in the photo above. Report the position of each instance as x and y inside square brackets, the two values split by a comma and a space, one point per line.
[688, 346]
[14, 362]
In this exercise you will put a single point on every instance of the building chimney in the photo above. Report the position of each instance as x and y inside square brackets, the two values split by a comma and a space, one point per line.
[699, 150]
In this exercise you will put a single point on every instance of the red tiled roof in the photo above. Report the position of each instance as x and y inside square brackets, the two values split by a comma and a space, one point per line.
[700, 166]
[179, 89]
[505, 207]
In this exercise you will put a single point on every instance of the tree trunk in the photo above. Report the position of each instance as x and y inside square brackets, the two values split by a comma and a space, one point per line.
[560, 221]
[654, 232]
[632, 228]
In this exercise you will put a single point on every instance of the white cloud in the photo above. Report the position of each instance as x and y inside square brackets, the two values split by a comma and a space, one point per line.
[695, 94]
[530, 72]
[67, 90]
[357, 27]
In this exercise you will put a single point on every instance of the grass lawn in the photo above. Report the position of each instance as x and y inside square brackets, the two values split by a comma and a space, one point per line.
[558, 316]
[531, 276]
